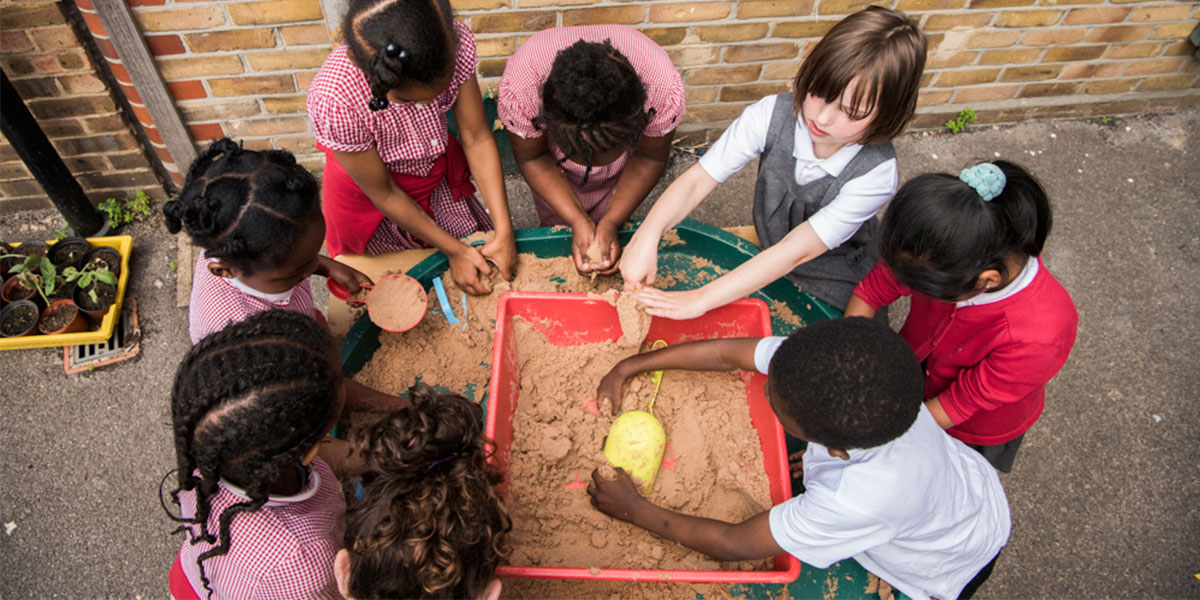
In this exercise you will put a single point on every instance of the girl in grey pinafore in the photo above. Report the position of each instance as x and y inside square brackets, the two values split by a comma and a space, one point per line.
[781, 204]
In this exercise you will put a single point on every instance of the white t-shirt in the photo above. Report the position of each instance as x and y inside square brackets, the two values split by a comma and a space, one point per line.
[856, 202]
[923, 511]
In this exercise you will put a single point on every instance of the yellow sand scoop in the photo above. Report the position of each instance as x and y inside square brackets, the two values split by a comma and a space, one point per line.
[636, 439]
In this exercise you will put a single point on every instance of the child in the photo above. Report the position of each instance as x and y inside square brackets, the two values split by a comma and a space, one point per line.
[590, 112]
[884, 484]
[430, 523]
[263, 515]
[394, 176]
[988, 320]
[826, 168]
[258, 217]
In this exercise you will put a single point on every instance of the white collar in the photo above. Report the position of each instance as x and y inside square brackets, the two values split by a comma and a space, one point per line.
[834, 165]
[311, 485]
[280, 298]
[1020, 282]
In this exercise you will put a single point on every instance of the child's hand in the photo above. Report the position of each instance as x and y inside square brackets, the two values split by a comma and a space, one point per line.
[610, 387]
[348, 277]
[616, 497]
[639, 265]
[672, 305]
[796, 463]
[466, 266]
[581, 240]
[606, 239]
[503, 253]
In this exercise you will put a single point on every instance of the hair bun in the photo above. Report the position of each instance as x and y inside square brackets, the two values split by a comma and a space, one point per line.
[985, 178]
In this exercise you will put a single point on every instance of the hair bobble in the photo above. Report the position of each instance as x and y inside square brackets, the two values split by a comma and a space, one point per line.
[393, 50]
[985, 178]
[377, 103]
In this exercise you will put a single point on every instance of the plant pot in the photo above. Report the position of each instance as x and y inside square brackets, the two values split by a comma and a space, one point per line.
[62, 289]
[62, 317]
[32, 248]
[68, 252]
[109, 255]
[14, 290]
[18, 319]
[106, 294]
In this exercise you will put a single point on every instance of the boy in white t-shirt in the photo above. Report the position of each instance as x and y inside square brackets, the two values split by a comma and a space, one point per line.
[883, 482]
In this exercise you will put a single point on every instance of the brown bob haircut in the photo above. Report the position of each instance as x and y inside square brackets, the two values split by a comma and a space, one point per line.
[885, 51]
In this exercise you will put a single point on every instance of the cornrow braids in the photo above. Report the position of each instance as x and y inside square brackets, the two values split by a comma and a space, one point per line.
[592, 101]
[397, 43]
[248, 402]
[431, 523]
[245, 207]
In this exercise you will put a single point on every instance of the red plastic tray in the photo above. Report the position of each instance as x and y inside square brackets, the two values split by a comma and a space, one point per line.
[574, 319]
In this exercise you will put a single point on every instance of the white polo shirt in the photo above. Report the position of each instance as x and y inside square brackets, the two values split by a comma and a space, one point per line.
[857, 201]
[924, 511]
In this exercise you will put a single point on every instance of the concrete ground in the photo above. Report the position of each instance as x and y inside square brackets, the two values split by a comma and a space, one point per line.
[1105, 494]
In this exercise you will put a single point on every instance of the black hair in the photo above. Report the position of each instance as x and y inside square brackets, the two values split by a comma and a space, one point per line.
[245, 207]
[592, 101]
[431, 523]
[398, 43]
[939, 235]
[848, 383]
[248, 402]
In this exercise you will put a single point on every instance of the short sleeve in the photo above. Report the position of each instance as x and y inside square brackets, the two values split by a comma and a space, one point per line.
[880, 287]
[466, 59]
[742, 142]
[519, 100]
[668, 102]
[818, 530]
[857, 201]
[765, 351]
[338, 127]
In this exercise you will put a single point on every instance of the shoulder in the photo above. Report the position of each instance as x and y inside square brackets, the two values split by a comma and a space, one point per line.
[339, 79]
[466, 56]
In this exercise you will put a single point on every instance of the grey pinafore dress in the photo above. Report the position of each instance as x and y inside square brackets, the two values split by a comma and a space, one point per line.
[781, 204]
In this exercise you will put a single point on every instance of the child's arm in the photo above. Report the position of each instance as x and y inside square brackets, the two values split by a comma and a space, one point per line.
[939, 412]
[642, 171]
[708, 355]
[367, 170]
[350, 278]
[640, 262]
[540, 170]
[362, 398]
[484, 161]
[798, 246]
[723, 541]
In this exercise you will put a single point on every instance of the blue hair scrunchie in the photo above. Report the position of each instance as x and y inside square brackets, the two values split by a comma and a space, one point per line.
[985, 178]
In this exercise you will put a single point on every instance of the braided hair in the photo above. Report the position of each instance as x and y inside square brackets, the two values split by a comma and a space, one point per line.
[431, 522]
[398, 43]
[592, 101]
[248, 402]
[245, 207]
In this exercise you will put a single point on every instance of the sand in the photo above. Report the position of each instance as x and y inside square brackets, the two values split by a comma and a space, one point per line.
[396, 303]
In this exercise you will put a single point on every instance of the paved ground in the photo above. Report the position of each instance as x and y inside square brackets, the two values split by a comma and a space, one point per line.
[1105, 494]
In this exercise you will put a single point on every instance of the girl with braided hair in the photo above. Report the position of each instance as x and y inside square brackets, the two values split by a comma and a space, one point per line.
[394, 177]
[590, 112]
[262, 514]
[430, 522]
[257, 215]
[988, 321]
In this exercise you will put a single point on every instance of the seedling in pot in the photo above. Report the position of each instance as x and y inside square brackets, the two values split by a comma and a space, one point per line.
[87, 277]
[36, 273]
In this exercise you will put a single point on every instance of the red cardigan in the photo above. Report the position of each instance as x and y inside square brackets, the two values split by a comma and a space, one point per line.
[987, 364]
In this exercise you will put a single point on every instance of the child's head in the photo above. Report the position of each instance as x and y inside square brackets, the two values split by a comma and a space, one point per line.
[257, 213]
[406, 48]
[869, 66]
[593, 102]
[846, 383]
[249, 402]
[940, 236]
[431, 522]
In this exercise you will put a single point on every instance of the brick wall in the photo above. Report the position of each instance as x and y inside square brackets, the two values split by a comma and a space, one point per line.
[240, 68]
[73, 106]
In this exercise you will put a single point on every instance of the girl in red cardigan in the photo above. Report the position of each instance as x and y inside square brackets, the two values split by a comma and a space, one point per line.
[988, 321]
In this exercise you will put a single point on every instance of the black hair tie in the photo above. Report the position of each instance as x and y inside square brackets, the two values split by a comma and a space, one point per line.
[393, 50]
[377, 103]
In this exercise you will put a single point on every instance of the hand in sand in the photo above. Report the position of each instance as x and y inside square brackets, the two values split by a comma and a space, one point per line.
[610, 248]
[346, 276]
[503, 254]
[466, 266]
[672, 305]
[639, 265]
[610, 388]
[796, 463]
[615, 497]
[582, 235]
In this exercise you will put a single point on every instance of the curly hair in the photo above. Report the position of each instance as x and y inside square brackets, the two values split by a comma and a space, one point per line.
[849, 383]
[938, 235]
[431, 523]
[592, 101]
[398, 43]
[245, 207]
[248, 402]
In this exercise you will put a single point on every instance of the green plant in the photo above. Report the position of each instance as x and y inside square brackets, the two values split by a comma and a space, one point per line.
[89, 275]
[36, 273]
[171, 264]
[1104, 120]
[60, 234]
[122, 211]
[959, 124]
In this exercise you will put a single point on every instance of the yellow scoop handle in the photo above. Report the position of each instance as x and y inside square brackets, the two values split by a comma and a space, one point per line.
[656, 376]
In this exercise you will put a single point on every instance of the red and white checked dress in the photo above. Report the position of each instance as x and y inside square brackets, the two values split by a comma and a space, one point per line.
[216, 302]
[408, 137]
[520, 102]
[283, 550]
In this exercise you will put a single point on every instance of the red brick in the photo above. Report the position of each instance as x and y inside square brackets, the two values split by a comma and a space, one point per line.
[53, 108]
[1121, 33]
[54, 38]
[192, 17]
[284, 104]
[105, 124]
[296, 144]
[37, 87]
[1156, 67]
[199, 66]
[780, 70]
[990, 93]
[24, 16]
[1092, 70]
[231, 39]
[620, 15]
[199, 112]
[759, 52]
[143, 115]
[94, 24]
[298, 35]
[689, 11]
[12, 42]
[1167, 82]
[1134, 50]
[56, 128]
[163, 45]
[152, 134]
[204, 132]
[304, 79]
[107, 49]
[665, 36]
[17, 66]
[251, 85]
[119, 72]
[1033, 73]
[927, 98]
[146, 2]
[754, 9]
[1088, 16]
[188, 89]
[288, 60]
[85, 83]
[966, 77]
[1044, 90]
[275, 11]
[269, 126]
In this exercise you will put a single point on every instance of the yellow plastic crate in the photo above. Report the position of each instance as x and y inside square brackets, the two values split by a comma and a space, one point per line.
[124, 245]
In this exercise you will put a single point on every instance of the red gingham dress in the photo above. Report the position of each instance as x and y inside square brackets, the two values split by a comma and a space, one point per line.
[215, 302]
[520, 101]
[283, 550]
[408, 137]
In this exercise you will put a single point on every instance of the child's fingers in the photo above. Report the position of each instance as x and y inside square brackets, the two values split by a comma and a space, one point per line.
[797, 455]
